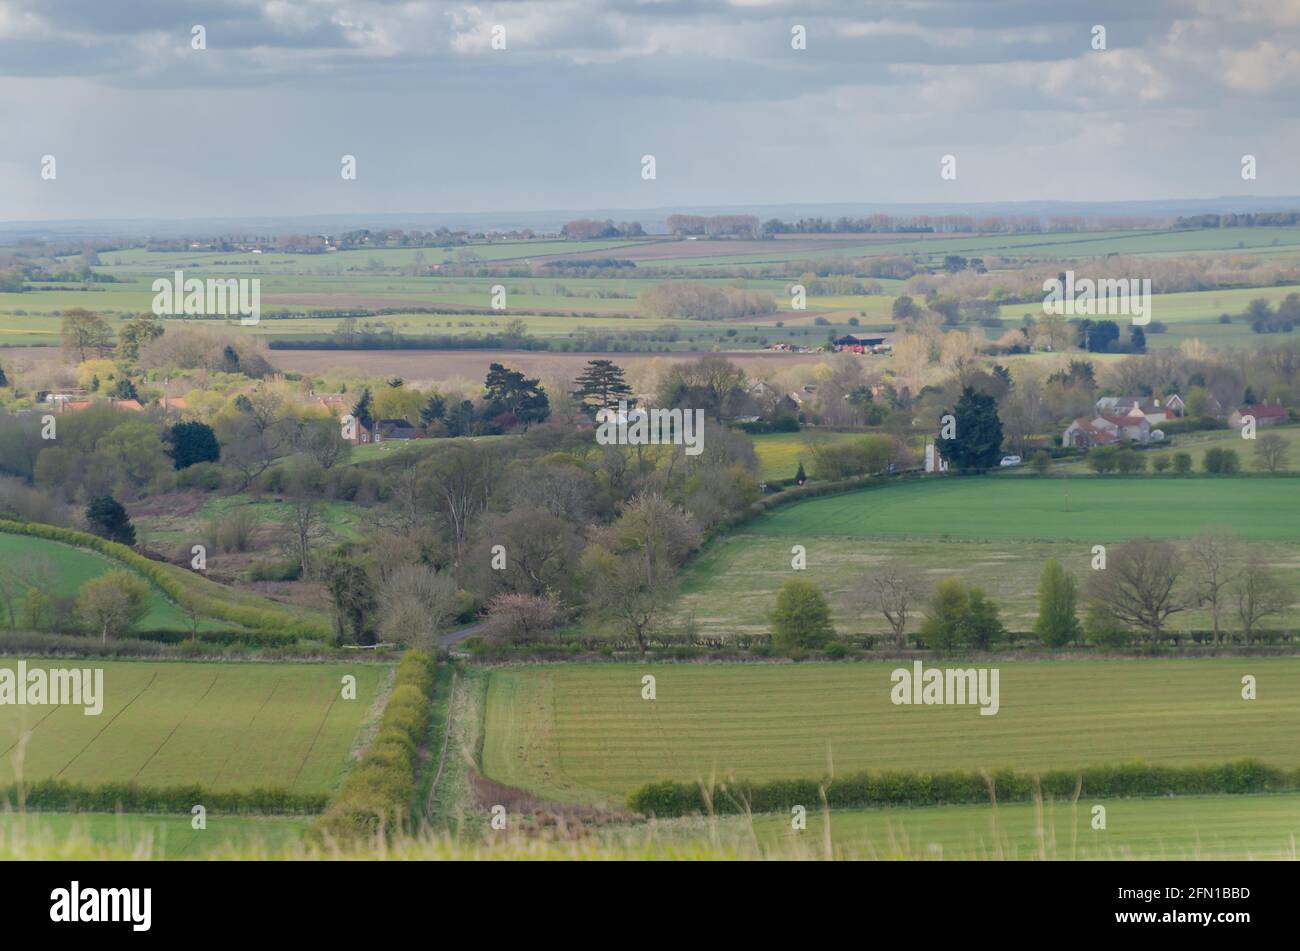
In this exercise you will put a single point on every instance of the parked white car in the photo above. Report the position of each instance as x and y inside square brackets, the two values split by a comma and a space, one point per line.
[1010, 461]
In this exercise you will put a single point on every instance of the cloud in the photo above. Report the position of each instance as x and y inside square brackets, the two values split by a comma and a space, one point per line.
[144, 125]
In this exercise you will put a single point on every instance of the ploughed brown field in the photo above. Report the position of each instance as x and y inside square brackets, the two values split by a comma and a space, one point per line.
[417, 366]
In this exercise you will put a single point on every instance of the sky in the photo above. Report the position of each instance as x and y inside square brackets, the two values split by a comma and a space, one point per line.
[141, 124]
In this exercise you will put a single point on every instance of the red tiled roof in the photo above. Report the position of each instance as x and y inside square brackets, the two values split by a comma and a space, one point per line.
[1264, 410]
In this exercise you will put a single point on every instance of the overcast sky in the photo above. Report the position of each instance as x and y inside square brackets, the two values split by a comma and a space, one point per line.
[141, 125]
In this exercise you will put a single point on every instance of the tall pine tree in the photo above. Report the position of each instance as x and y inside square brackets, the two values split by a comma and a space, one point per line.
[600, 386]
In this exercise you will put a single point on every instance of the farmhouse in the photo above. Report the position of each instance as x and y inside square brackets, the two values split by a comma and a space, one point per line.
[1149, 407]
[1085, 433]
[1266, 414]
[395, 429]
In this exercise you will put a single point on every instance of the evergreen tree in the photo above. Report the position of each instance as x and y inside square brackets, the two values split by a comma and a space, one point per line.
[600, 386]
[106, 518]
[800, 477]
[124, 389]
[192, 442]
[361, 410]
[432, 411]
[976, 441]
[1057, 624]
[509, 391]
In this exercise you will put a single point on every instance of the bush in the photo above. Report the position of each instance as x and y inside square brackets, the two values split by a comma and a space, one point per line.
[1221, 461]
[56, 795]
[801, 618]
[918, 788]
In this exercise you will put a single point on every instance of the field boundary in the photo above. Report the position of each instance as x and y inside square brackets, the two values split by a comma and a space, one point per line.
[916, 788]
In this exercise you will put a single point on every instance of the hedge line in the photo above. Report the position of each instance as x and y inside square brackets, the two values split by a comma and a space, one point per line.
[56, 795]
[257, 618]
[918, 788]
[379, 792]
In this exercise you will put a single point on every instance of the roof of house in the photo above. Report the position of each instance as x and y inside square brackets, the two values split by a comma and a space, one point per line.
[1263, 409]
[1124, 420]
[1095, 434]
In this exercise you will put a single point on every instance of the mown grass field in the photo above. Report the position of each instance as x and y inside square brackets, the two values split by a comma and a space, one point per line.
[1095, 510]
[160, 837]
[731, 588]
[224, 726]
[583, 733]
[995, 532]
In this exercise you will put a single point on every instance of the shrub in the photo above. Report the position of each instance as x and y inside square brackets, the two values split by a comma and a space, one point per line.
[916, 788]
[378, 793]
[801, 618]
[1221, 461]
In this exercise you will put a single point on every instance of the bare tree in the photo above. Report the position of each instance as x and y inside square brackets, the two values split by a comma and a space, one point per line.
[1209, 556]
[417, 603]
[1138, 585]
[460, 481]
[895, 591]
[1260, 593]
[305, 526]
[1271, 452]
[521, 617]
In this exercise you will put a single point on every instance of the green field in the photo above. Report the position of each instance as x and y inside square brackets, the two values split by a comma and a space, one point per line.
[995, 532]
[563, 306]
[1095, 510]
[223, 726]
[583, 733]
[154, 837]
[1191, 828]
[70, 568]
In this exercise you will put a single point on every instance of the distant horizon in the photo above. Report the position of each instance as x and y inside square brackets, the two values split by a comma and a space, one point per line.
[553, 218]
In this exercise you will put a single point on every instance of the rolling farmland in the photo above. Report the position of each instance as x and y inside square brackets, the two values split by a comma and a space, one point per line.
[948, 526]
[222, 726]
[583, 733]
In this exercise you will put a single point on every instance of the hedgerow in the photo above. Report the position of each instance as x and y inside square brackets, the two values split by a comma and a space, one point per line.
[57, 795]
[263, 619]
[918, 788]
[378, 794]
